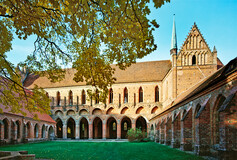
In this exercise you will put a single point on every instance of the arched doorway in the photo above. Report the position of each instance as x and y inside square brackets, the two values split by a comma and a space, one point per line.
[125, 126]
[97, 128]
[36, 131]
[18, 127]
[50, 133]
[84, 131]
[59, 128]
[28, 130]
[141, 124]
[111, 128]
[6, 128]
[43, 132]
[71, 128]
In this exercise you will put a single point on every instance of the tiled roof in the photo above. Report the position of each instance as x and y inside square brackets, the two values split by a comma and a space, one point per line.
[138, 72]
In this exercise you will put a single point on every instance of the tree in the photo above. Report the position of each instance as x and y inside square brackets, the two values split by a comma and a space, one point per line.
[88, 34]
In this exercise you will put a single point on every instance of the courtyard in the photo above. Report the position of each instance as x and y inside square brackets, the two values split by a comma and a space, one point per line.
[61, 150]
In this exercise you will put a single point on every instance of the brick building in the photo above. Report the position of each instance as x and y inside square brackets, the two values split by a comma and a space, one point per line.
[185, 102]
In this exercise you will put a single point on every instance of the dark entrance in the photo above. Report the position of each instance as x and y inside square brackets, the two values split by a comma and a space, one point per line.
[111, 128]
[97, 128]
[125, 126]
[59, 127]
[141, 124]
[71, 128]
[84, 129]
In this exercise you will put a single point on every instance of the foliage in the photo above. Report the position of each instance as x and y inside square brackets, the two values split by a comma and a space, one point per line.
[89, 34]
[136, 135]
[60, 150]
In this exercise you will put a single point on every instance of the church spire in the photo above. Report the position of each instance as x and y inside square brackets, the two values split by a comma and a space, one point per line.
[173, 48]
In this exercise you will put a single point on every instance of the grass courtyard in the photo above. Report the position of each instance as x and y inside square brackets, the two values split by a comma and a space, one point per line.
[101, 151]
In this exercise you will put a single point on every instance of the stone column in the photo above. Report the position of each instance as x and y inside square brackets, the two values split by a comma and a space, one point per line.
[175, 143]
[168, 132]
[64, 131]
[90, 130]
[104, 126]
[13, 132]
[77, 130]
[133, 125]
[118, 130]
[1, 130]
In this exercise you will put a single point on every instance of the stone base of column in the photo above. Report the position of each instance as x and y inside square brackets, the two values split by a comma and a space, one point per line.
[186, 147]
[201, 150]
[175, 144]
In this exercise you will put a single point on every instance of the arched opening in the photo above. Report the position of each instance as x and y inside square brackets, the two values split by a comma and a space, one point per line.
[153, 111]
[139, 110]
[97, 111]
[111, 128]
[70, 98]
[18, 127]
[58, 113]
[193, 60]
[125, 95]
[97, 128]
[125, 126]
[50, 133]
[6, 128]
[71, 112]
[83, 112]
[141, 124]
[36, 131]
[84, 131]
[156, 94]
[216, 119]
[110, 110]
[111, 95]
[140, 94]
[28, 128]
[43, 132]
[123, 111]
[71, 128]
[59, 128]
[83, 97]
[58, 98]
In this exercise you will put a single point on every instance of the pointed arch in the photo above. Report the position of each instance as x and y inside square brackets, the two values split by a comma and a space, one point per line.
[83, 112]
[70, 98]
[50, 133]
[125, 95]
[126, 124]
[83, 97]
[140, 94]
[97, 111]
[71, 128]
[123, 111]
[110, 110]
[194, 60]
[111, 128]
[43, 135]
[18, 127]
[97, 128]
[111, 95]
[59, 128]
[6, 128]
[141, 123]
[157, 97]
[58, 98]
[36, 131]
[139, 110]
[154, 109]
[84, 128]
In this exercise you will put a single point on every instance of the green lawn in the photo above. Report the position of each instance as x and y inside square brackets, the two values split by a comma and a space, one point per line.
[103, 150]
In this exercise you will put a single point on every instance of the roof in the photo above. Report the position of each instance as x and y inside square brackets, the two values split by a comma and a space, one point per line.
[174, 39]
[139, 72]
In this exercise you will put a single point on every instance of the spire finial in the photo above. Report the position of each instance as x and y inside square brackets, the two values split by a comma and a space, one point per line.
[174, 39]
[214, 49]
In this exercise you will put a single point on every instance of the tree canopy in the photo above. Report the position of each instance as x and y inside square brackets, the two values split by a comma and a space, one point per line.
[89, 35]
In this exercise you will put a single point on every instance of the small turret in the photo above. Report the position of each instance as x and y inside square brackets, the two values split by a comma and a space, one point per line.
[214, 55]
[173, 49]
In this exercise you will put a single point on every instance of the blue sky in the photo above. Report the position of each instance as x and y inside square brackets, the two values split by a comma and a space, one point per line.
[216, 19]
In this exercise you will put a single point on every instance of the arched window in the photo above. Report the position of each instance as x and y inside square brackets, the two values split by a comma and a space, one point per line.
[111, 95]
[97, 96]
[125, 95]
[58, 98]
[70, 98]
[83, 97]
[156, 94]
[194, 60]
[140, 94]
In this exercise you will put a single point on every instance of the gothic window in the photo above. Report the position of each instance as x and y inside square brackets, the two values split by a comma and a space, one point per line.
[156, 94]
[97, 96]
[125, 95]
[83, 97]
[58, 98]
[194, 60]
[111, 95]
[114, 126]
[140, 94]
[125, 126]
[70, 98]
